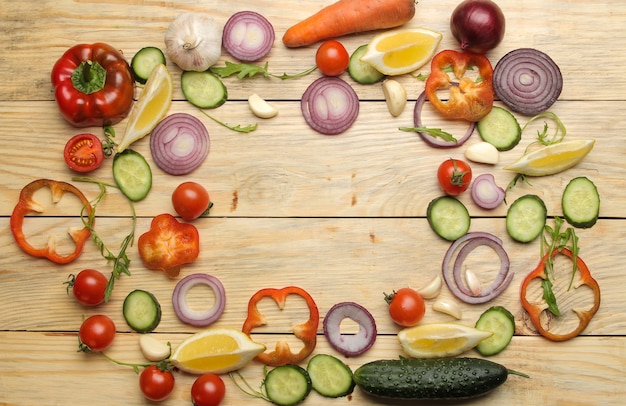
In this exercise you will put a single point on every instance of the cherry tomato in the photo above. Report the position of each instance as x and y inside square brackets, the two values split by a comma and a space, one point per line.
[156, 385]
[331, 58]
[89, 287]
[83, 152]
[190, 200]
[454, 176]
[406, 307]
[208, 390]
[97, 332]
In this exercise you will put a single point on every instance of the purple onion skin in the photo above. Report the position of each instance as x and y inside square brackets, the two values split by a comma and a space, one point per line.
[478, 25]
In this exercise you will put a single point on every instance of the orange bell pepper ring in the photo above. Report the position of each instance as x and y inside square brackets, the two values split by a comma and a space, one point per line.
[535, 311]
[169, 244]
[470, 98]
[27, 204]
[306, 331]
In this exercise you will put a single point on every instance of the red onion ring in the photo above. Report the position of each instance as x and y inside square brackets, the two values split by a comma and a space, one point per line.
[350, 344]
[527, 80]
[330, 105]
[465, 245]
[179, 143]
[486, 193]
[193, 317]
[433, 141]
[248, 36]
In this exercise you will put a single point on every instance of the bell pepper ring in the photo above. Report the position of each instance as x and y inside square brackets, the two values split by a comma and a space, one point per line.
[305, 332]
[168, 244]
[535, 311]
[93, 85]
[27, 205]
[470, 98]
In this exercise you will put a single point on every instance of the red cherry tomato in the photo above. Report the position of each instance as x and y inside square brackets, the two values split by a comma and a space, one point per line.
[208, 390]
[89, 287]
[156, 385]
[83, 152]
[406, 307]
[190, 200]
[454, 176]
[331, 58]
[97, 332]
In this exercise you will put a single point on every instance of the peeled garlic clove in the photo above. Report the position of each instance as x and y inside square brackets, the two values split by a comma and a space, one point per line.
[472, 282]
[483, 152]
[260, 107]
[432, 289]
[153, 349]
[448, 308]
[395, 96]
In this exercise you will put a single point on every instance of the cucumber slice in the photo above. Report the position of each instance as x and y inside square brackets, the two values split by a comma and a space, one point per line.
[501, 323]
[330, 376]
[203, 89]
[142, 311]
[287, 385]
[448, 217]
[363, 72]
[144, 62]
[581, 202]
[500, 128]
[132, 174]
[526, 218]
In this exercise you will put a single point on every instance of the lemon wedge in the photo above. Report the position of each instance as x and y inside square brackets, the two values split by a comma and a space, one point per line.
[440, 339]
[150, 108]
[217, 351]
[401, 51]
[552, 158]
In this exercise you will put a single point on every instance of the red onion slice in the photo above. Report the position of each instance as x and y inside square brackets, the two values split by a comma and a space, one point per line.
[486, 193]
[350, 344]
[433, 141]
[527, 80]
[248, 36]
[179, 143]
[330, 105]
[194, 317]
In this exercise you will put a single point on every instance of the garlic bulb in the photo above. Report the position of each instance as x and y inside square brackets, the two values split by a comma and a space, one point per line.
[194, 41]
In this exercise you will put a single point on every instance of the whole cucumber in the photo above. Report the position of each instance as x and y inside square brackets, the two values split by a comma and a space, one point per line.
[438, 378]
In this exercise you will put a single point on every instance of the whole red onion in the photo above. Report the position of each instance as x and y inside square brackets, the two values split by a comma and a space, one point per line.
[478, 25]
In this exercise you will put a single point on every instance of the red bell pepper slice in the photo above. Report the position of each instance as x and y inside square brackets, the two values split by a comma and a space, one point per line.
[169, 244]
[470, 98]
[306, 331]
[27, 204]
[535, 311]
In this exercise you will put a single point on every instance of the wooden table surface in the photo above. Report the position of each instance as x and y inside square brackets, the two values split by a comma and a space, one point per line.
[343, 217]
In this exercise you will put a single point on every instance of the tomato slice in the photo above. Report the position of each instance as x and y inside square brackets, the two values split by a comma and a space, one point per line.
[83, 152]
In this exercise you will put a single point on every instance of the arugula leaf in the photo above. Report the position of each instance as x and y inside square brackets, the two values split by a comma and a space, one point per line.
[548, 296]
[245, 129]
[243, 70]
[434, 132]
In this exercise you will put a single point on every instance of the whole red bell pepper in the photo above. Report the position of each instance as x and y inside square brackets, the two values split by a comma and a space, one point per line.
[470, 98]
[27, 205]
[306, 331]
[93, 85]
[169, 244]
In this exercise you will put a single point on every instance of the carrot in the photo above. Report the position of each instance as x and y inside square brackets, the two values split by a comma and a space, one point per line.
[349, 17]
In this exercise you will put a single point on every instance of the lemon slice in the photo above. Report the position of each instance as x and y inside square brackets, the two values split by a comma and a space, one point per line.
[401, 51]
[217, 351]
[440, 339]
[553, 158]
[150, 108]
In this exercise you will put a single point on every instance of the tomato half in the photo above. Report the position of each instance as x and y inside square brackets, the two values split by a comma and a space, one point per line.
[454, 176]
[83, 152]
[156, 385]
[89, 287]
[190, 200]
[406, 307]
[208, 390]
[331, 58]
[97, 332]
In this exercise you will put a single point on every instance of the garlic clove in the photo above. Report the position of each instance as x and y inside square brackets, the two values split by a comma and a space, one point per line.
[483, 152]
[432, 289]
[395, 96]
[472, 282]
[260, 107]
[449, 308]
[153, 349]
